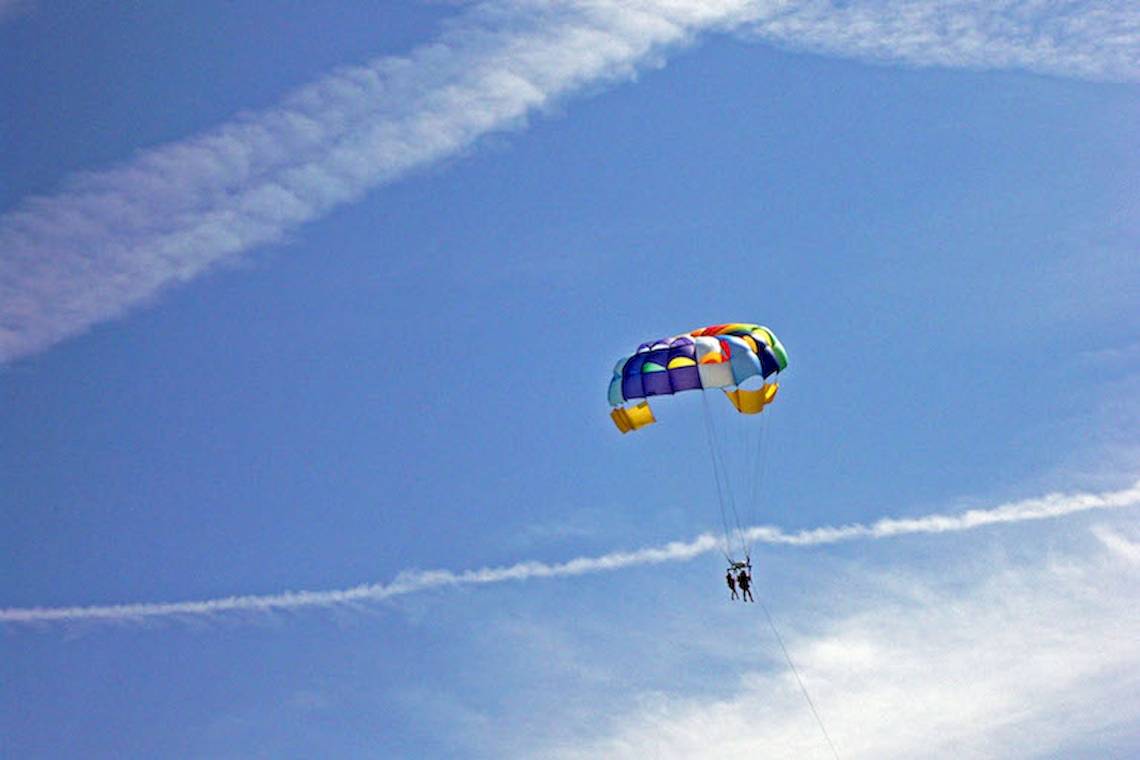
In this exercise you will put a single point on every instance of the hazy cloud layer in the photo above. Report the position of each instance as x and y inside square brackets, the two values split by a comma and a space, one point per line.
[983, 660]
[112, 239]
[1050, 506]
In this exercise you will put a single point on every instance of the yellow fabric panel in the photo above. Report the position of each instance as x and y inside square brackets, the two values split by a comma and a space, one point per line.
[640, 415]
[752, 402]
[633, 418]
[681, 361]
[769, 390]
[621, 419]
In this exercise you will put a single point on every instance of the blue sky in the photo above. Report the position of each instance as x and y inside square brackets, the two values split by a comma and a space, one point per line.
[321, 297]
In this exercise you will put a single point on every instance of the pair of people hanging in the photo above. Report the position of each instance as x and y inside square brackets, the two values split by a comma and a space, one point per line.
[739, 575]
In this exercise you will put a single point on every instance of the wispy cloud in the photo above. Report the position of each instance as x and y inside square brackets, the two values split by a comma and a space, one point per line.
[113, 239]
[110, 240]
[1118, 544]
[410, 582]
[973, 659]
[1050, 506]
[1076, 39]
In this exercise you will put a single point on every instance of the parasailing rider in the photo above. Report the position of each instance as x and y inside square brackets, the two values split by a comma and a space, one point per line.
[744, 580]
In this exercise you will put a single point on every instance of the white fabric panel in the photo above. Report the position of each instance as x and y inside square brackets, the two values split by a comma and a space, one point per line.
[706, 346]
[712, 375]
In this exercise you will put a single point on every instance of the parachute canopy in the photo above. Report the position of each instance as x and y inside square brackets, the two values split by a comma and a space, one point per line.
[720, 356]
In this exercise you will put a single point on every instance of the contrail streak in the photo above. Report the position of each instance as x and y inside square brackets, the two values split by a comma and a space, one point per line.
[410, 582]
[110, 240]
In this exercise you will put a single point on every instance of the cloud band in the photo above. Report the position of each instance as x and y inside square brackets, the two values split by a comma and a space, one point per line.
[1051, 506]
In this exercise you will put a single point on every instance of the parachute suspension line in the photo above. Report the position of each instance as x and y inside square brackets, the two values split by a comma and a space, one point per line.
[745, 438]
[731, 465]
[713, 451]
[796, 673]
[742, 451]
[758, 463]
[724, 451]
[759, 469]
[716, 475]
[752, 448]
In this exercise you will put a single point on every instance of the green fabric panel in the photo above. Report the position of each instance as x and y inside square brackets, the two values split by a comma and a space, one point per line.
[781, 356]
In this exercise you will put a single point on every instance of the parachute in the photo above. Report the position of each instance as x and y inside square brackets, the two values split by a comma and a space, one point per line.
[734, 358]
[720, 356]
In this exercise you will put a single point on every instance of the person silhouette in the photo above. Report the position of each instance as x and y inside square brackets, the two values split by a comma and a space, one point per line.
[745, 582]
[731, 583]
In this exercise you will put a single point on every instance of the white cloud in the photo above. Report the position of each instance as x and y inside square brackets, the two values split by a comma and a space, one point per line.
[1052, 505]
[111, 240]
[114, 238]
[411, 582]
[1082, 39]
[972, 659]
[1118, 544]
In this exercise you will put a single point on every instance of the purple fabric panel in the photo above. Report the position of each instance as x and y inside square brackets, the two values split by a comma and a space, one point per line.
[685, 378]
[656, 383]
[688, 350]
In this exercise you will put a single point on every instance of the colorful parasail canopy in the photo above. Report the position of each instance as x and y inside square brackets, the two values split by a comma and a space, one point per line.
[720, 356]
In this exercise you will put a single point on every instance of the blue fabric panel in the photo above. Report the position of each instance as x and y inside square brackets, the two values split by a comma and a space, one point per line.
[768, 362]
[631, 386]
[745, 364]
[614, 395]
